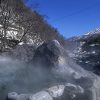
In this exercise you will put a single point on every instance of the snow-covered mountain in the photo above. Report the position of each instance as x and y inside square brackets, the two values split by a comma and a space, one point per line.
[96, 31]
[87, 51]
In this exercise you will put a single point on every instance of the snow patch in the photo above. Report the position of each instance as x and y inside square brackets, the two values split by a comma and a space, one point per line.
[56, 91]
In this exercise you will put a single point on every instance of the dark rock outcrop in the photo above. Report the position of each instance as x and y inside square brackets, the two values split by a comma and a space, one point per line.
[48, 54]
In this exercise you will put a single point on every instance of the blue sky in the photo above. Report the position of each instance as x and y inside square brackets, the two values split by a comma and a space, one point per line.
[70, 17]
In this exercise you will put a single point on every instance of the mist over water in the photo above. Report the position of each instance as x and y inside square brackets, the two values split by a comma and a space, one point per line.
[19, 77]
[16, 76]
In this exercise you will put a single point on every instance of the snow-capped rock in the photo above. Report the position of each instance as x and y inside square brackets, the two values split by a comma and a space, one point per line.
[56, 91]
[42, 95]
[59, 92]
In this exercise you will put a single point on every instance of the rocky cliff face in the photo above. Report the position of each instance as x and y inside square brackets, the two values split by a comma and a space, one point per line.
[50, 75]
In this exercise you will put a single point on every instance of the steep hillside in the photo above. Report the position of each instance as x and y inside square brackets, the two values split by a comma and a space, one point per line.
[18, 22]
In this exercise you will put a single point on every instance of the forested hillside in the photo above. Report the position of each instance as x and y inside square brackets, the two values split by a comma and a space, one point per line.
[18, 23]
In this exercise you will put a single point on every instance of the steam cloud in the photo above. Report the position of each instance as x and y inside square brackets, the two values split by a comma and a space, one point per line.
[20, 77]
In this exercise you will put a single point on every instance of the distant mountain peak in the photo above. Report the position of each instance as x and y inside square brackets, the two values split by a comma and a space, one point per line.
[96, 31]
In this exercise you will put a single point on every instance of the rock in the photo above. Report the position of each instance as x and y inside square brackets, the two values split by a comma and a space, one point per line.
[22, 52]
[15, 96]
[47, 54]
[12, 96]
[71, 91]
[52, 55]
[56, 91]
[43, 95]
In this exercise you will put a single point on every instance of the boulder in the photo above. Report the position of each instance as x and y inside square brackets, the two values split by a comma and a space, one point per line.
[56, 91]
[47, 54]
[15, 96]
[12, 96]
[59, 92]
[24, 52]
[42, 95]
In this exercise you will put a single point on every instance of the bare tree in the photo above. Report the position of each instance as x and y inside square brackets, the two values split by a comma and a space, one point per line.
[15, 17]
[7, 21]
[27, 24]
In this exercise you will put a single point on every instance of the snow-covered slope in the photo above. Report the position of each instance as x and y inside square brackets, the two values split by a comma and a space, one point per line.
[87, 52]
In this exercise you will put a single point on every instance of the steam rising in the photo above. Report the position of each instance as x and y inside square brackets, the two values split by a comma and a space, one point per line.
[23, 78]
[20, 77]
[16, 76]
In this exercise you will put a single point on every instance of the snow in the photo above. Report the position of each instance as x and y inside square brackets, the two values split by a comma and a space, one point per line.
[42, 95]
[13, 96]
[96, 31]
[87, 62]
[21, 43]
[93, 52]
[56, 91]
[82, 43]
[92, 45]
[62, 61]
